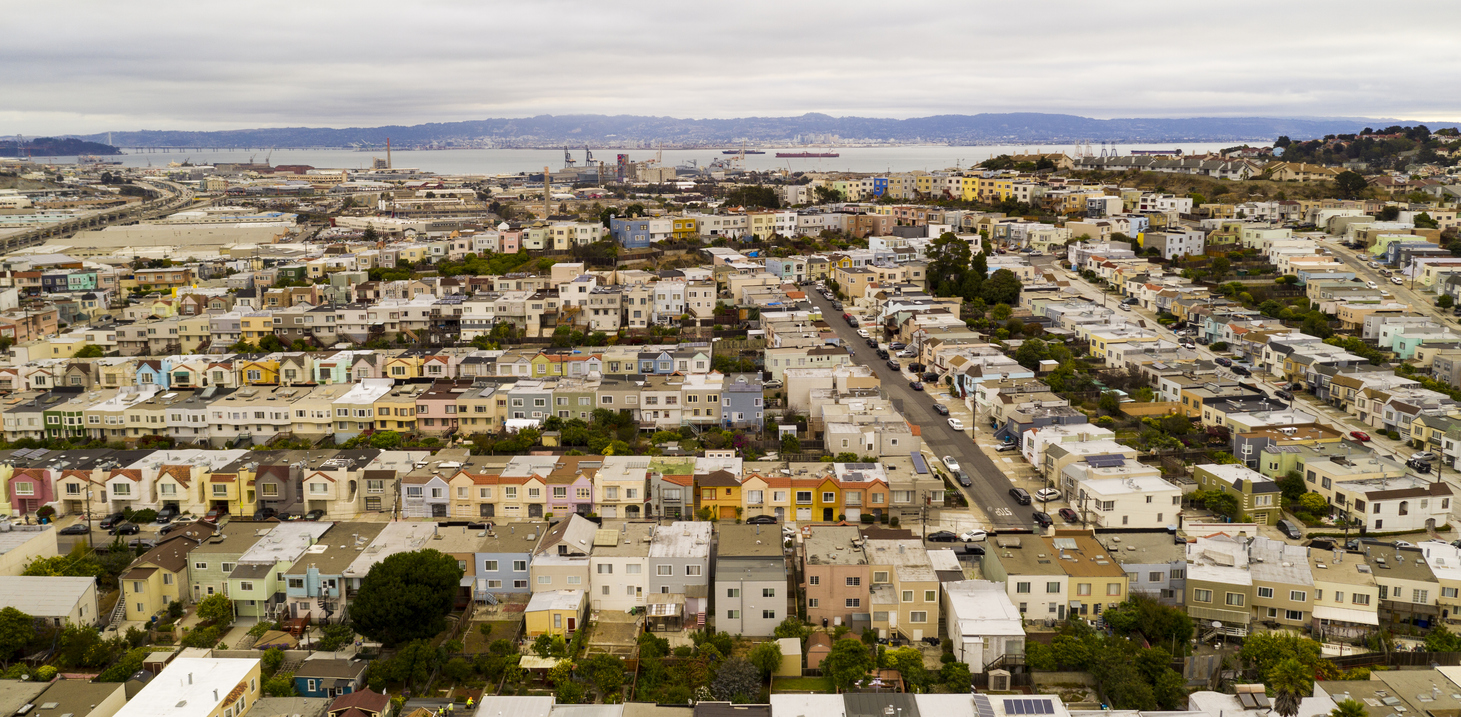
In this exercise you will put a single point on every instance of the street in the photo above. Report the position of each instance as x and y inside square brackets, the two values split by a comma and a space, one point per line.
[990, 491]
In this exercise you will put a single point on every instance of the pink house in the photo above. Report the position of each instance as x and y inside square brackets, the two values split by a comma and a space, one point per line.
[436, 410]
[30, 488]
[510, 241]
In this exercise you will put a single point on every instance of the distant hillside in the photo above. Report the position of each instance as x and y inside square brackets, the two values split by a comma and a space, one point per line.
[54, 147]
[601, 130]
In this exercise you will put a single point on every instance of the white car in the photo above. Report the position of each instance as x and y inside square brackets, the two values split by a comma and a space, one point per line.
[1372, 285]
[1403, 544]
[862, 333]
[1396, 280]
[951, 463]
[956, 424]
[1046, 494]
[973, 536]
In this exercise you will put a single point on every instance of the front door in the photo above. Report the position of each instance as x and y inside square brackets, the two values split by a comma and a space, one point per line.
[572, 624]
[827, 515]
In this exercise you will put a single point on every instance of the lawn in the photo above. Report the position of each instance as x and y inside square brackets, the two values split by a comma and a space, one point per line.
[802, 684]
[474, 642]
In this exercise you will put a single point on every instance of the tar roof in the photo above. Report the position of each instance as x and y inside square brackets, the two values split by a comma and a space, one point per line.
[750, 541]
[834, 545]
[337, 549]
[681, 539]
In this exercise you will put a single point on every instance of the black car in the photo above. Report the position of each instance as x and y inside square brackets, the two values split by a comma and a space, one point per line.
[892, 364]
[1285, 395]
[872, 343]
[125, 529]
[942, 536]
[882, 354]
[972, 550]
[940, 409]
[917, 386]
[1069, 515]
[916, 367]
[1289, 529]
[1020, 495]
[929, 377]
[170, 527]
[1042, 519]
[1223, 361]
[78, 529]
[761, 520]
[112, 520]
[265, 513]
[963, 479]
[167, 514]
[315, 514]
[1241, 371]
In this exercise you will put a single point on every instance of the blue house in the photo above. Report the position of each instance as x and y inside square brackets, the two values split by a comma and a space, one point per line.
[630, 233]
[154, 372]
[652, 362]
[880, 186]
[329, 677]
[503, 557]
[744, 405]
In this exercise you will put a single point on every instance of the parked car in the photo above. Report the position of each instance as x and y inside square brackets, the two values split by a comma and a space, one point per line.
[265, 513]
[1360, 436]
[956, 424]
[893, 364]
[837, 305]
[916, 385]
[1241, 370]
[1221, 361]
[862, 333]
[1068, 515]
[1042, 519]
[1124, 307]
[1423, 456]
[213, 515]
[1045, 495]
[77, 529]
[1288, 528]
[883, 354]
[112, 520]
[170, 527]
[1404, 544]
[1372, 285]
[973, 536]
[1285, 395]
[128, 528]
[773, 384]
[1020, 495]
[940, 409]
[950, 462]
[942, 536]
[315, 514]
[1001, 448]
[144, 543]
[1396, 280]
[963, 479]
[761, 520]
[897, 346]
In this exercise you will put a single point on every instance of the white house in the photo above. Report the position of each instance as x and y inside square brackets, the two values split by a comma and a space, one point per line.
[984, 623]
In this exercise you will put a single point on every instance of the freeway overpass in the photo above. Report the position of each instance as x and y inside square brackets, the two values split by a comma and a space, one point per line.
[175, 197]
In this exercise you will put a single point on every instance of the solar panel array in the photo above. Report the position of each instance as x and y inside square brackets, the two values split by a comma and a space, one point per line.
[982, 707]
[1106, 461]
[1028, 707]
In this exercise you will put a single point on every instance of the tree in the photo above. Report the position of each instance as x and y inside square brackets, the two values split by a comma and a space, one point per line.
[1031, 353]
[607, 674]
[737, 681]
[217, 609]
[1220, 266]
[948, 263]
[90, 351]
[16, 630]
[847, 663]
[407, 597]
[1350, 184]
[908, 662]
[1217, 501]
[766, 657]
[1002, 287]
[1441, 639]
[1445, 301]
[792, 626]
[1348, 708]
[1290, 682]
[1313, 504]
[280, 685]
[1264, 650]
[1110, 402]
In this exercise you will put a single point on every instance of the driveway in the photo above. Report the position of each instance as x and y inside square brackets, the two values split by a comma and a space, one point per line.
[990, 491]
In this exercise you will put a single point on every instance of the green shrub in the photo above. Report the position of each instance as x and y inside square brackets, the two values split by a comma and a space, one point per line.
[46, 673]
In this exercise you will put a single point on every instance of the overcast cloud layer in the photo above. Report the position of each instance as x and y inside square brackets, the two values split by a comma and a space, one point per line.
[81, 66]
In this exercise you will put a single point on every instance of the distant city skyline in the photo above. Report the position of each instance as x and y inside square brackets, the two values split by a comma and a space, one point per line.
[86, 67]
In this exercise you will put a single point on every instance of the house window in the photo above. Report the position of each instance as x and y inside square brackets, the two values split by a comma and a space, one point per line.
[768, 614]
[1265, 592]
[664, 570]
[489, 566]
[853, 602]
[880, 576]
[732, 592]
[854, 582]
[918, 616]
[1235, 599]
[768, 592]
[732, 614]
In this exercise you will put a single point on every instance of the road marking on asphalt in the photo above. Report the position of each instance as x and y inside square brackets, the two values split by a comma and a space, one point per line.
[1001, 511]
[1009, 460]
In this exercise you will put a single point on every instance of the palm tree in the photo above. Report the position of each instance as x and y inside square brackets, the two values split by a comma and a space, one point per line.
[1348, 708]
[1290, 681]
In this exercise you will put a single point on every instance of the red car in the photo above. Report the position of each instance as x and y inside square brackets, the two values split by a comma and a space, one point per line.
[1360, 436]
[213, 515]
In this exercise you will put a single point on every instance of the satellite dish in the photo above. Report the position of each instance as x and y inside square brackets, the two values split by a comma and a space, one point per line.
[1216, 624]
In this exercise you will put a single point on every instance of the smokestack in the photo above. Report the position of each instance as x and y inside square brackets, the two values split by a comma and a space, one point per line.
[388, 153]
[547, 194]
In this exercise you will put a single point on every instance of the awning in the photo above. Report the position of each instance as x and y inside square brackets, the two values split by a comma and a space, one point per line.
[1345, 614]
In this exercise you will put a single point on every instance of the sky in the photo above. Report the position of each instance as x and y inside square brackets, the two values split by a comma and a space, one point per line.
[83, 66]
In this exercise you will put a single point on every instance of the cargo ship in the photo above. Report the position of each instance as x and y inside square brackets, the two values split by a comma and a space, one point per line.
[806, 155]
[742, 151]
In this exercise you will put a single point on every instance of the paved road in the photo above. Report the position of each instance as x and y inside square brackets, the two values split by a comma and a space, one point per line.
[991, 484]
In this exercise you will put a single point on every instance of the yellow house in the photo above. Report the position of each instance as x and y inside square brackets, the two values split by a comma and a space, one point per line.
[720, 492]
[227, 488]
[555, 612]
[685, 227]
[157, 578]
[827, 501]
[396, 410]
[401, 368]
[546, 365]
[265, 371]
[252, 327]
[761, 224]
[193, 332]
[853, 282]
